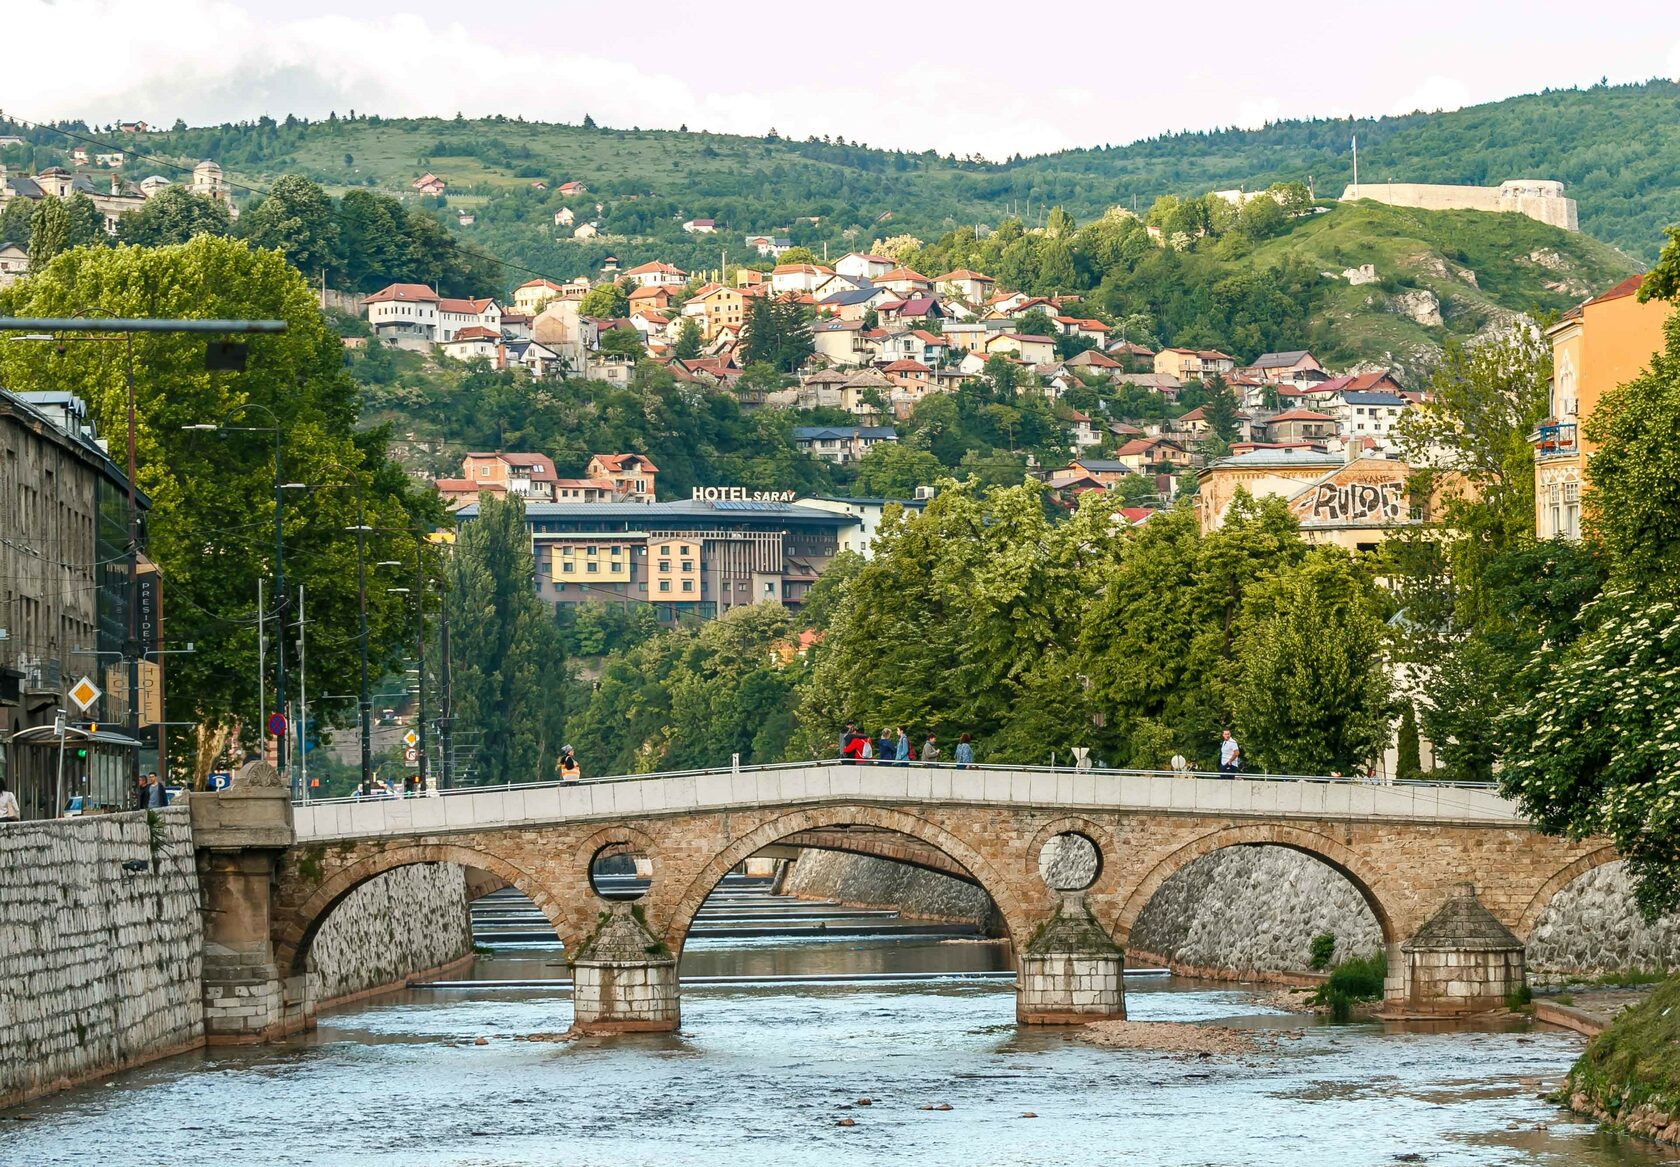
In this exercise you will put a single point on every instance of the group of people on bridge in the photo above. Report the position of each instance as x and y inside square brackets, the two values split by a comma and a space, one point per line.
[893, 748]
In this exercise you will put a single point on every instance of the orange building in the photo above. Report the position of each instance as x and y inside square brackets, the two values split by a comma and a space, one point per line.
[1597, 346]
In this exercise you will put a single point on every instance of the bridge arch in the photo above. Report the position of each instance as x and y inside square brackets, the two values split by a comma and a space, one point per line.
[1342, 859]
[981, 872]
[295, 933]
[1563, 878]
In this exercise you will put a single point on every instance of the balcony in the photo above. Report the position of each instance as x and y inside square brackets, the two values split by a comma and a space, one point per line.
[1557, 440]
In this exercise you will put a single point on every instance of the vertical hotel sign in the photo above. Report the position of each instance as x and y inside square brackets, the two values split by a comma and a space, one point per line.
[148, 623]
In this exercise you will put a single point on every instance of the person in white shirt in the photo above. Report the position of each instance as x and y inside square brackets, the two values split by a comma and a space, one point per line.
[1230, 753]
[9, 812]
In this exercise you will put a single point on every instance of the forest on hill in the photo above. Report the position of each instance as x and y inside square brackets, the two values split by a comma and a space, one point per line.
[1616, 148]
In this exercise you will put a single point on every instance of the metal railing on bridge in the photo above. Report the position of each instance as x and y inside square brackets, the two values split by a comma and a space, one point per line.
[977, 768]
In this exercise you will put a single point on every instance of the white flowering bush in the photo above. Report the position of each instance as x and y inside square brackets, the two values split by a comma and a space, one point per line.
[1597, 749]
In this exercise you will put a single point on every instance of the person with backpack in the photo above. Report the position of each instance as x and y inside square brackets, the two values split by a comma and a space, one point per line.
[852, 744]
[567, 765]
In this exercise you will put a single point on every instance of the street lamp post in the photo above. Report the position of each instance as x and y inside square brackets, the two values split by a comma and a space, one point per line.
[419, 592]
[280, 487]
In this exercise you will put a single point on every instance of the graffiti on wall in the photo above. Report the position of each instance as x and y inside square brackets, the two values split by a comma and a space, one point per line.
[1354, 502]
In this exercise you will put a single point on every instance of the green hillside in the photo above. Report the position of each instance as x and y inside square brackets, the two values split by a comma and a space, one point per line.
[1616, 147]
[1479, 270]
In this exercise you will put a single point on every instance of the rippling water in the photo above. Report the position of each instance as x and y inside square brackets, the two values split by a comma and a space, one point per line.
[762, 1073]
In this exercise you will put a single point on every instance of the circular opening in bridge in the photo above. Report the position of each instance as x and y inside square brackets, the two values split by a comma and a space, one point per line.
[620, 872]
[1069, 862]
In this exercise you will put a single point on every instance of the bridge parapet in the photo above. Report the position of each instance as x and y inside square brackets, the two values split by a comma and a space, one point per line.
[655, 796]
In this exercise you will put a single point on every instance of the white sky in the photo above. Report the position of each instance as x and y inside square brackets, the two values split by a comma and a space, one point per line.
[974, 75]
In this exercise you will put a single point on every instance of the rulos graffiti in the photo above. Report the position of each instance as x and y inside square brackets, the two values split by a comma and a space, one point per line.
[1357, 502]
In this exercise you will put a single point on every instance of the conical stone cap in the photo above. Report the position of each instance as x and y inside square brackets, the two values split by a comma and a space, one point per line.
[1463, 924]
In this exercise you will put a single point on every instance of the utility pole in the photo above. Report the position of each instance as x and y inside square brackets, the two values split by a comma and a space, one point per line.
[420, 650]
[262, 663]
[133, 645]
[446, 723]
[303, 702]
[361, 612]
[279, 602]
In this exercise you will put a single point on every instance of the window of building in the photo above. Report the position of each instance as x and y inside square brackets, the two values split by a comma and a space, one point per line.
[664, 585]
[592, 566]
[688, 585]
[664, 565]
[567, 566]
[688, 565]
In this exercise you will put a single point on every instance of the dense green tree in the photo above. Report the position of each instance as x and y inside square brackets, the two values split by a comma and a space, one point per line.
[374, 248]
[895, 470]
[174, 215]
[624, 342]
[49, 233]
[1160, 641]
[1313, 695]
[510, 681]
[1408, 761]
[85, 223]
[963, 621]
[692, 697]
[689, 341]
[1221, 409]
[14, 222]
[777, 333]
[209, 528]
[606, 301]
[1591, 752]
[296, 218]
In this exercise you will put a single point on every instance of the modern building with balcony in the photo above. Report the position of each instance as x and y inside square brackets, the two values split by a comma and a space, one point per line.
[1596, 346]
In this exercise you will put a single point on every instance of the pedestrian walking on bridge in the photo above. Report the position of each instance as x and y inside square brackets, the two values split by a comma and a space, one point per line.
[567, 765]
[1230, 753]
[964, 756]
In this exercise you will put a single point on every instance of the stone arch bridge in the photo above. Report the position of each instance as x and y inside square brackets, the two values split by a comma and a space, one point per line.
[1415, 853]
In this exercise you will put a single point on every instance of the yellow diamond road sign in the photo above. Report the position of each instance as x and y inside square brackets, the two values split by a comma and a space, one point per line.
[411, 738]
[84, 693]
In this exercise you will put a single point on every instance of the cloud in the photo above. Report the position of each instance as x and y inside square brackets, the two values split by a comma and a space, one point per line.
[1433, 93]
[1256, 113]
[210, 61]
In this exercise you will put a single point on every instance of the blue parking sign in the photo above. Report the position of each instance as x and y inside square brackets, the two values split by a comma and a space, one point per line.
[221, 780]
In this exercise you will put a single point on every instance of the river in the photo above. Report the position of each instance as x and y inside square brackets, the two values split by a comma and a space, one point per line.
[765, 1067]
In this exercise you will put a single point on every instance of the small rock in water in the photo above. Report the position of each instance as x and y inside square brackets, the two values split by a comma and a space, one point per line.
[482, 1041]
[1513, 1126]
[943, 1106]
[925, 1106]
[866, 1101]
[847, 1122]
[1408, 1157]
[1028, 1114]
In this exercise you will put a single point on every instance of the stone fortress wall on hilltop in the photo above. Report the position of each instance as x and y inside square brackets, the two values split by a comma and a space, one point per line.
[1538, 198]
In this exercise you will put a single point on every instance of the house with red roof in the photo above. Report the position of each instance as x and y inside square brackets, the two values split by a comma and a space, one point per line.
[657, 275]
[403, 312]
[428, 184]
[905, 282]
[1300, 425]
[913, 310]
[869, 267]
[963, 284]
[632, 475]
[700, 226]
[454, 315]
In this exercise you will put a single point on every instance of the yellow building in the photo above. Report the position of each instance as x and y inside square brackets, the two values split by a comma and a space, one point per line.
[717, 307]
[673, 567]
[1605, 342]
[593, 561]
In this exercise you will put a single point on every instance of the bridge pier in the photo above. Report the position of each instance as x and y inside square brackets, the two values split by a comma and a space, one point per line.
[239, 835]
[1070, 971]
[624, 979]
[1463, 960]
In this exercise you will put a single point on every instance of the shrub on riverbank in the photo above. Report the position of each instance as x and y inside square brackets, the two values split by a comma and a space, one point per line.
[1356, 979]
[1630, 1074]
